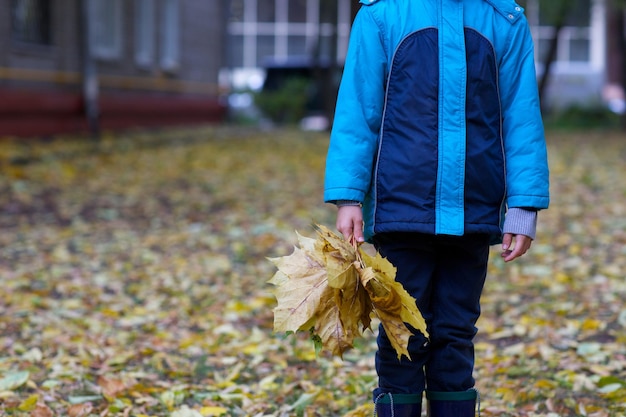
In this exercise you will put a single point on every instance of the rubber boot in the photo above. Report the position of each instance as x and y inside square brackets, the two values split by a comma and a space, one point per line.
[452, 404]
[398, 405]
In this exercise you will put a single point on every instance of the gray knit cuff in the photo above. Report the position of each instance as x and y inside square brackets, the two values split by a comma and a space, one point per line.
[341, 203]
[519, 221]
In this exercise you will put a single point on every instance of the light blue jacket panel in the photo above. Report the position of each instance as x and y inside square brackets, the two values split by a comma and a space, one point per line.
[437, 127]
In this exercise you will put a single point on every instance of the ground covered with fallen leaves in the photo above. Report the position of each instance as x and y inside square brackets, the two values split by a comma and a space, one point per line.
[134, 282]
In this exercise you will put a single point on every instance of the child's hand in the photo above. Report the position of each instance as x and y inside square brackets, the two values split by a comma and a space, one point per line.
[350, 222]
[514, 246]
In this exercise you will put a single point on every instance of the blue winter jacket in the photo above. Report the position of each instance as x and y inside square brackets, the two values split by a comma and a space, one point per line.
[438, 127]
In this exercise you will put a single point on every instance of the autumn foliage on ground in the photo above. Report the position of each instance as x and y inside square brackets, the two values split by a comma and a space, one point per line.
[135, 276]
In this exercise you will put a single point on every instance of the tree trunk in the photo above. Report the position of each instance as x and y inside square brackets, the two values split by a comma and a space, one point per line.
[616, 44]
[330, 92]
[91, 90]
[621, 41]
[552, 53]
[354, 8]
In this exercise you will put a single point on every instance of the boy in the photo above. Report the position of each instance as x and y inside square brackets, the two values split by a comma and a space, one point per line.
[437, 151]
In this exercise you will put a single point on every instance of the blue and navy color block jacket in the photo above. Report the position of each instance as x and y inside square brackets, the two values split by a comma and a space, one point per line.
[438, 127]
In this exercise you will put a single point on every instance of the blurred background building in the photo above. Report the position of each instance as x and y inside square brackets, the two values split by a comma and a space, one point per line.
[72, 65]
[581, 43]
[77, 65]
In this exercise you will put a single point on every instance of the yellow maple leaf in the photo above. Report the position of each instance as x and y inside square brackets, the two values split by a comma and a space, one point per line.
[330, 287]
[387, 307]
[335, 337]
[301, 282]
[384, 275]
[346, 249]
[354, 304]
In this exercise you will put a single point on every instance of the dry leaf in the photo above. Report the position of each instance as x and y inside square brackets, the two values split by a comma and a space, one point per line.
[111, 387]
[329, 326]
[41, 410]
[80, 410]
[300, 295]
[393, 305]
[331, 285]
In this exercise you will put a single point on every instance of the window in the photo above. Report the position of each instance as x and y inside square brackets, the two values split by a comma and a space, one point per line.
[106, 26]
[30, 21]
[170, 50]
[266, 10]
[575, 36]
[236, 11]
[579, 50]
[144, 32]
[261, 29]
[235, 57]
[265, 47]
[297, 44]
[297, 11]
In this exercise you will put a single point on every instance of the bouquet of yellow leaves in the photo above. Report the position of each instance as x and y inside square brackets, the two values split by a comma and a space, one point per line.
[332, 288]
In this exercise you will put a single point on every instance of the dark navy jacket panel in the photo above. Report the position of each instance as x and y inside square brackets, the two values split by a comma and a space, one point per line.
[484, 169]
[406, 169]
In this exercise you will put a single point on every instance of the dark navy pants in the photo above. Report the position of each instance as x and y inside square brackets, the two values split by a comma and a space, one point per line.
[446, 275]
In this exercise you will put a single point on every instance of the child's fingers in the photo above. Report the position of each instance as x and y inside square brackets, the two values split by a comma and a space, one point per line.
[357, 230]
[506, 241]
[521, 245]
[350, 222]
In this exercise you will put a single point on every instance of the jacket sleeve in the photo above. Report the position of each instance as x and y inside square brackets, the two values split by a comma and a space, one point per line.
[527, 176]
[358, 113]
